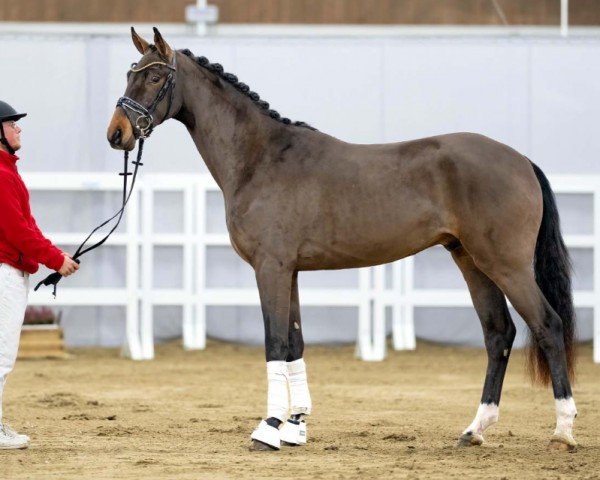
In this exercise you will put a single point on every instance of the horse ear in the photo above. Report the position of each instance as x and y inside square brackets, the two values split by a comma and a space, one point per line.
[163, 47]
[141, 44]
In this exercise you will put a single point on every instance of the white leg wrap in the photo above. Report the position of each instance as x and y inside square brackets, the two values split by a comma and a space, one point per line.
[266, 434]
[293, 432]
[300, 396]
[487, 415]
[565, 415]
[277, 397]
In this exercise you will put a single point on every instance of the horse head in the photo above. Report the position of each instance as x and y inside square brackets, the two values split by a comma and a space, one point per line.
[150, 96]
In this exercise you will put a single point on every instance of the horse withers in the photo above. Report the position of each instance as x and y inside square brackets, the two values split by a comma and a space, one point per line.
[297, 199]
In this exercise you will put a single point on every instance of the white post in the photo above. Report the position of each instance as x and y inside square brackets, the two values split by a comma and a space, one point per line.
[597, 274]
[379, 337]
[364, 314]
[147, 320]
[371, 317]
[403, 327]
[200, 15]
[564, 18]
[132, 347]
[398, 308]
[199, 330]
[188, 268]
[201, 26]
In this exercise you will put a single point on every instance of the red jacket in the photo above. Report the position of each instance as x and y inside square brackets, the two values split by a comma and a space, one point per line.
[22, 244]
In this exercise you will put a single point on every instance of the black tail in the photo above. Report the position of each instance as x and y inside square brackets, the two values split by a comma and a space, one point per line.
[553, 276]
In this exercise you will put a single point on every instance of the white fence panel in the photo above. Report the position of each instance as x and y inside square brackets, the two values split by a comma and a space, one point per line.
[371, 297]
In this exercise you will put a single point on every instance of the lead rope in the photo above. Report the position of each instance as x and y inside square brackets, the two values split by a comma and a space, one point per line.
[55, 277]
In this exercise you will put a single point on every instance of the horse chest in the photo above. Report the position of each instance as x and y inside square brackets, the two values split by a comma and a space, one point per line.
[239, 249]
[240, 240]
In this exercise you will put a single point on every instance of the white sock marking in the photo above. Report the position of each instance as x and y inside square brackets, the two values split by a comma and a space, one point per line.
[566, 411]
[487, 415]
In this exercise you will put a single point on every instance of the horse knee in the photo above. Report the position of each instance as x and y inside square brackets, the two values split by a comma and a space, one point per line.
[296, 342]
[295, 350]
[277, 349]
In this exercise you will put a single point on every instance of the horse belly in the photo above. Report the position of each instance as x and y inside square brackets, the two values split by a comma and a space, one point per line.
[355, 234]
[336, 255]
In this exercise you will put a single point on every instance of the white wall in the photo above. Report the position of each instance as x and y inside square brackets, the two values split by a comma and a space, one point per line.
[539, 95]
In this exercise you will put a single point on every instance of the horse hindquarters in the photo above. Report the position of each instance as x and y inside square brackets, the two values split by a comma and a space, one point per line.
[543, 298]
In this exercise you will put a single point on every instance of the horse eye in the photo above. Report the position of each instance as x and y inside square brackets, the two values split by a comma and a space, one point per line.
[155, 78]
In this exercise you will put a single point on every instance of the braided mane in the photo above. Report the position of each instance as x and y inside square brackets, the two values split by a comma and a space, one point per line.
[217, 69]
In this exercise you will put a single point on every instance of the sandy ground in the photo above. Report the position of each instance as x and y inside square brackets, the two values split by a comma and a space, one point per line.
[189, 415]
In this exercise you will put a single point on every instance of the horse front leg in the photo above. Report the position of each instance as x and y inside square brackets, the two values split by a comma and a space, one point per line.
[293, 432]
[274, 279]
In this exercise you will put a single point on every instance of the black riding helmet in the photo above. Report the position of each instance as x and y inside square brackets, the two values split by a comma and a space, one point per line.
[8, 113]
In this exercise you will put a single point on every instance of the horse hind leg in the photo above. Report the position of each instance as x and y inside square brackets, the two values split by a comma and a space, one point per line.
[499, 332]
[514, 275]
[547, 331]
[531, 266]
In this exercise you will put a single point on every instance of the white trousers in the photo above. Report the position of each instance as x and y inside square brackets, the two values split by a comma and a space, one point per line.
[14, 288]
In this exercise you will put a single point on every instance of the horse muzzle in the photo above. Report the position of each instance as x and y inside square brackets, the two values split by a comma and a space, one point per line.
[120, 134]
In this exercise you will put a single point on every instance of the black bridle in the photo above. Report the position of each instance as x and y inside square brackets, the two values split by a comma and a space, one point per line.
[144, 129]
[143, 123]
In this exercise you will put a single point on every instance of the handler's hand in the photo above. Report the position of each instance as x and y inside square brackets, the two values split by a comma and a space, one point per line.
[69, 266]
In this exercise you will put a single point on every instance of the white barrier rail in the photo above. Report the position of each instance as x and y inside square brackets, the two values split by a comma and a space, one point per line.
[371, 298]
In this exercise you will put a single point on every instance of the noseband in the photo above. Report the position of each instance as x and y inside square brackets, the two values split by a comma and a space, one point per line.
[140, 117]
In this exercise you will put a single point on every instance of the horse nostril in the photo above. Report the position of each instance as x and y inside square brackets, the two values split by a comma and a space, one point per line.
[116, 138]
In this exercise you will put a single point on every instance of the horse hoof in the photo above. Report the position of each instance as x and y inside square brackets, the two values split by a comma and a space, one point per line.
[562, 444]
[257, 446]
[469, 439]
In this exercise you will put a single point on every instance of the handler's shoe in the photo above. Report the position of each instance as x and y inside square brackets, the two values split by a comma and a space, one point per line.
[9, 439]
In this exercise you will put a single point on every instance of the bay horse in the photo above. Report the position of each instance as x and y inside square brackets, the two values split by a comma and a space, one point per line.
[297, 199]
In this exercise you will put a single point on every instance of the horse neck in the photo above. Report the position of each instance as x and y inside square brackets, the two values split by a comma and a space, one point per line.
[229, 131]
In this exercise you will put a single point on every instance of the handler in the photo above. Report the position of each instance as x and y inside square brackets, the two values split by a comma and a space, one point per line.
[22, 248]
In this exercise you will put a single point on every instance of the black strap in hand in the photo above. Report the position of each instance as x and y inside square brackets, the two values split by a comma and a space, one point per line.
[51, 279]
[55, 277]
